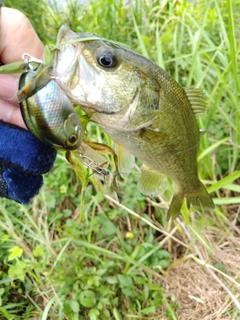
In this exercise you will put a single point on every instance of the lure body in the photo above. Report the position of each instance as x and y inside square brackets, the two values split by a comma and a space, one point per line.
[49, 114]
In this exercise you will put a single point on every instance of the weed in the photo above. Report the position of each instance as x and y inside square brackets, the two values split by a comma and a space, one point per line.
[119, 263]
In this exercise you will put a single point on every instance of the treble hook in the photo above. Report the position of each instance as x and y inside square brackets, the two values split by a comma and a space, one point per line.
[98, 168]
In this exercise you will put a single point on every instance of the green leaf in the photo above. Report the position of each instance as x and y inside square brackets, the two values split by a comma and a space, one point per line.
[126, 284]
[163, 254]
[232, 187]
[74, 306]
[93, 314]
[48, 306]
[202, 239]
[108, 228]
[18, 271]
[101, 272]
[212, 148]
[218, 266]
[48, 55]
[225, 181]
[111, 279]
[125, 281]
[116, 314]
[148, 311]
[227, 201]
[164, 263]
[16, 67]
[16, 252]
[5, 313]
[11, 68]
[87, 298]
[38, 251]
[5, 238]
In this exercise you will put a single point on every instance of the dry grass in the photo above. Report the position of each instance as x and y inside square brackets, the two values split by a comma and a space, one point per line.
[203, 291]
[204, 278]
[198, 295]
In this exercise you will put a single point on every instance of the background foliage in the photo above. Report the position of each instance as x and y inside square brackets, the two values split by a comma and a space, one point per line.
[113, 265]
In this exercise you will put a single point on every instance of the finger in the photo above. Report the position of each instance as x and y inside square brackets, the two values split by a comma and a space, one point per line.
[9, 108]
[10, 112]
[17, 36]
[9, 88]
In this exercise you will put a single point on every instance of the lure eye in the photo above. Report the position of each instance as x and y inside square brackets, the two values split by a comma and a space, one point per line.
[107, 60]
[73, 138]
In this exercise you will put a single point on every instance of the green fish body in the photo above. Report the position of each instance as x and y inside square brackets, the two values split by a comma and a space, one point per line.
[48, 112]
[142, 108]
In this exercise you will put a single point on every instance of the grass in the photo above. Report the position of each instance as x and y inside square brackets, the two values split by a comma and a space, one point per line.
[126, 261]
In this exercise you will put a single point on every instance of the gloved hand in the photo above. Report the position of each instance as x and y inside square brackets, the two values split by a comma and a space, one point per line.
[23, 160]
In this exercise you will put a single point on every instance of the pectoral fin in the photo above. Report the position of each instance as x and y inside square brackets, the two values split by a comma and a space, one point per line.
[126, 160]
[153, 136]
[151, 182]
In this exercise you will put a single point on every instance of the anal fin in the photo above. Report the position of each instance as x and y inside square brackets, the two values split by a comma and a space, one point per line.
[175, 206]
[151, 182]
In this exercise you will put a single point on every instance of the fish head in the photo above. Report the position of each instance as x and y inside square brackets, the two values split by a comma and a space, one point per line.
[97, 74]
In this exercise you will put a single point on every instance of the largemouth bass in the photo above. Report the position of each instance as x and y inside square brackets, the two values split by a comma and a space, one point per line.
[142, 108]
[47, 111]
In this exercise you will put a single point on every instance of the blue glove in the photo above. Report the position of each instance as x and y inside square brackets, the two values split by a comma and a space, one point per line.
[23, 160]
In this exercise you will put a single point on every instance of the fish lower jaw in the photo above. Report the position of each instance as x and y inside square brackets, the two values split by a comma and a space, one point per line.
[89, 108]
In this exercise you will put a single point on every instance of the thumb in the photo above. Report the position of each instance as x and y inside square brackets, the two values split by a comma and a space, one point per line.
[17, 36]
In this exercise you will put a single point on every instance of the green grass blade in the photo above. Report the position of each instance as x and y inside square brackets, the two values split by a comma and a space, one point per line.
[223, 182]
[212, 147]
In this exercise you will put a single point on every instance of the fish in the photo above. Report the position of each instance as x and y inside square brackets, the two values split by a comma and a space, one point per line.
[47, 111]
[147, 114]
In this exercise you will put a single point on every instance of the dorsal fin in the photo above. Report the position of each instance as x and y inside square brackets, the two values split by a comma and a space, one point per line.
[197, 99]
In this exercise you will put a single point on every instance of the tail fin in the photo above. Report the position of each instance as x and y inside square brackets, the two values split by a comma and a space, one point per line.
[198, 199]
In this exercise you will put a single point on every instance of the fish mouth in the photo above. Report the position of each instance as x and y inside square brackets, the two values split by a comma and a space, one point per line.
[66, 56]
[88, 106]
[70, 40]
[66, 69]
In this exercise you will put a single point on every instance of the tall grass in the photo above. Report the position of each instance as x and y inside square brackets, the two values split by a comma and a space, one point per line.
[113, 266]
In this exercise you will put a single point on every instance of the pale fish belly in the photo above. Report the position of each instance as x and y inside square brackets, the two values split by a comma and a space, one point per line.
[162, 158]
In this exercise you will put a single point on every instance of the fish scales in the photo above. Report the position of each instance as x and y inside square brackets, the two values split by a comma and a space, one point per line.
[142, 108]
[170, 157]
[47, 111]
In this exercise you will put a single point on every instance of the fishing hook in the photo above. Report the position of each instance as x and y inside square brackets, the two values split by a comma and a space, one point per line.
[94, 165]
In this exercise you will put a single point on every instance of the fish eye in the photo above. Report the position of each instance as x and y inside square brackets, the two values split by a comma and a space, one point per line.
[107, 60]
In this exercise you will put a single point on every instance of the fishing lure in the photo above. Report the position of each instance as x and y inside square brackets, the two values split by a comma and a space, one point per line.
[47, 111]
